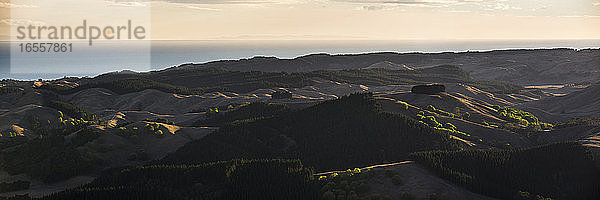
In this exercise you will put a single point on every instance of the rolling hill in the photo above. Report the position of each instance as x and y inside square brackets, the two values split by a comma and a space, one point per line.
[539, 66]
[336, 134]
[128, 129]
[583, 103]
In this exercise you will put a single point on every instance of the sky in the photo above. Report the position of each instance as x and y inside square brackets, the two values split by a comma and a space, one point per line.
[321, 19]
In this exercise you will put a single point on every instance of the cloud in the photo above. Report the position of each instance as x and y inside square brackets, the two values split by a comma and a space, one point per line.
[502, 6]
[580, 16]
[193, 6]
[128, 3]
[377, 7]
[370, 4]
[459, 11]
[219, 1]
[373, 7]
[12, 5]
[402, 2]
[485, 4]
[19, 22]
[416, 2]
[481, 6]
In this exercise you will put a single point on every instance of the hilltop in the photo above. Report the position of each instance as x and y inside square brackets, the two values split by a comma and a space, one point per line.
[525, 66]
[583, 103]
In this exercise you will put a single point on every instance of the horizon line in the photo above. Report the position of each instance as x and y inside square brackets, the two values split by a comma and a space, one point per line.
[80, 75]
[342, 39]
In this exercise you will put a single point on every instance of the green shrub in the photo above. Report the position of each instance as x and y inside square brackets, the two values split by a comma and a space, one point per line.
[450, 126]
[431, 108]
[403, 105]
[466, 115]
[73, 111]
[522, 118]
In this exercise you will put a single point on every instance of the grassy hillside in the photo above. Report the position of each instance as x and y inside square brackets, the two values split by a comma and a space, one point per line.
[582, 103]
[197, 81]
[48, 155]
[122, 86]
[247, 111]
[347, 132]
[558, 171]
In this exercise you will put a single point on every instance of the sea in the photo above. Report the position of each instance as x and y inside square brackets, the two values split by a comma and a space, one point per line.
[103, 57]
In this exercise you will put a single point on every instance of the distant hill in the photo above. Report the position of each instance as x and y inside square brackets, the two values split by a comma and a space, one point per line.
[388, 65]
[584, 103]
[540, 66]
[203, 80]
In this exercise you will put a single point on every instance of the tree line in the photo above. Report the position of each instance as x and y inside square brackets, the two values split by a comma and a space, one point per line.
[234, 179]
[559, 171]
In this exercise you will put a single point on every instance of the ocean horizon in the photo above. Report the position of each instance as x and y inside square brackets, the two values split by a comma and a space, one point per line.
[161, 54]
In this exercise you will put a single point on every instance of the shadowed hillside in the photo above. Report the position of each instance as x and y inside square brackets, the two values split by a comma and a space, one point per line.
[236, 179]
[584, 103]
[336, 134]
[203, 80]
[558, 171]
